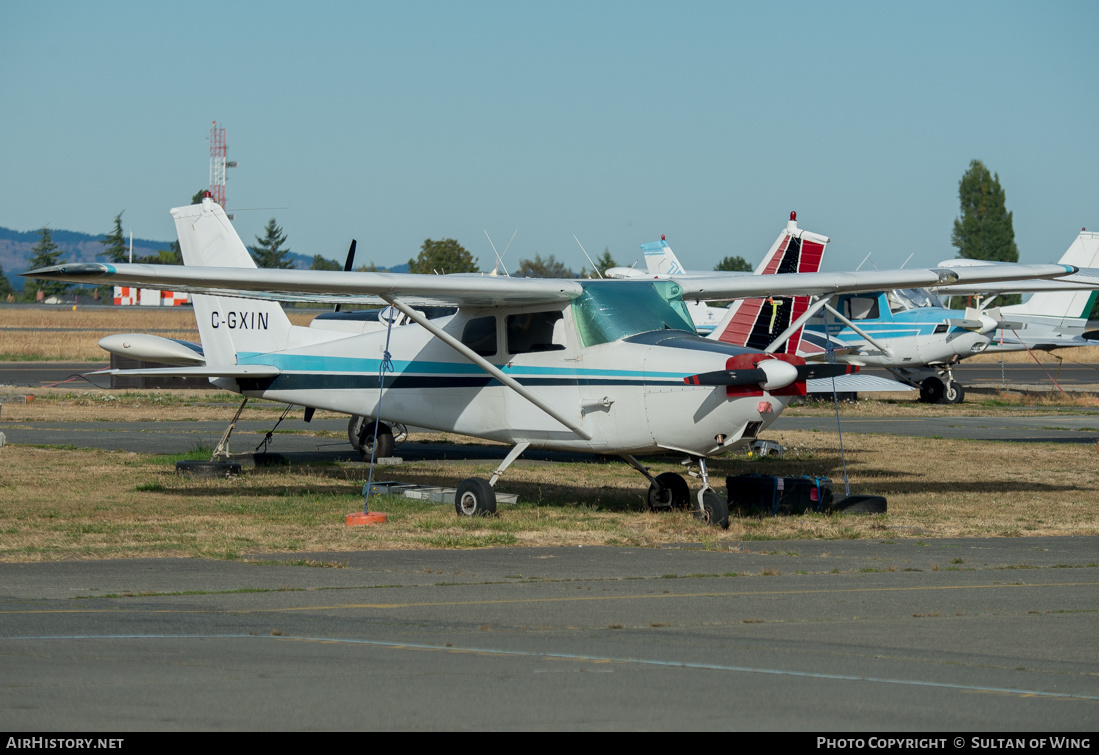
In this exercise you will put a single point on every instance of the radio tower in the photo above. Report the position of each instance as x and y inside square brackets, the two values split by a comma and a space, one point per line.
[218, 164]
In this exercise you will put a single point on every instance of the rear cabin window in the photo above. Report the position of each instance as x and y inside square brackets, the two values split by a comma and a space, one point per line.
[480, 335]
[861, 308]
[534, 331]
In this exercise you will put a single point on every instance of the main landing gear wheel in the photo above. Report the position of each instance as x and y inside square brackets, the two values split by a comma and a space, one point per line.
[953, 393]
[670, 492]
[931, 390]
[475, 497]
[712, 509]
[384, 447]
[355, 426]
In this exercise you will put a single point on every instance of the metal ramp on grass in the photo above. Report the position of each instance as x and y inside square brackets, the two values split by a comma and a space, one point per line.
[428, 493]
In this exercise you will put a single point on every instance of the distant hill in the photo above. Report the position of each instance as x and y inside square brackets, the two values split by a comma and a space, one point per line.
[15, 250]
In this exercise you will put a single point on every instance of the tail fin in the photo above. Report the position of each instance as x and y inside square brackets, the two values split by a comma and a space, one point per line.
[660, 259]
[755, 323]
[1057, 307]
[227, 326]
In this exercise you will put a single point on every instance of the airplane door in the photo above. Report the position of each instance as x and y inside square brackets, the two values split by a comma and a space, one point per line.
[541, 348]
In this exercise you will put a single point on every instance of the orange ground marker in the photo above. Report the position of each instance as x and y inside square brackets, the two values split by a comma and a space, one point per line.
[359, 518]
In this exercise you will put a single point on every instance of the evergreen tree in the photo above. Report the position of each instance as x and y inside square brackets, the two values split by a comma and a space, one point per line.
[543, 268]
[173, 255]
[115, 243]
[984, 231]
[45, 254]
[446, 256]
[198, 197]
[734, 264]
[605, 262]
[602, 263]
[5, 284]
[268, 251]
[323, 263]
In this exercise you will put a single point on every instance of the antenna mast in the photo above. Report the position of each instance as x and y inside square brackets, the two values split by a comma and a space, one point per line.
[218, 164]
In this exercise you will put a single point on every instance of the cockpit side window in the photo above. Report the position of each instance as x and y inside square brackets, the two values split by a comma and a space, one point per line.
[535, 331]
[479, 334]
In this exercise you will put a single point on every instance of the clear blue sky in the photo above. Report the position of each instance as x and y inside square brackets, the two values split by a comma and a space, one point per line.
[615, 121]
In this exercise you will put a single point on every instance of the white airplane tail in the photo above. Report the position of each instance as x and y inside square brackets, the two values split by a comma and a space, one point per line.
[660, 259]
[228, 326]
[1063, 309]
[755, 323]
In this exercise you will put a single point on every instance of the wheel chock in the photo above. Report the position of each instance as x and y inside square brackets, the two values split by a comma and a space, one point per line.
[359, 518]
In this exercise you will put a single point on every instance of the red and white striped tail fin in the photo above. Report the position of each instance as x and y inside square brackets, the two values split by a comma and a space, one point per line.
[755, 323]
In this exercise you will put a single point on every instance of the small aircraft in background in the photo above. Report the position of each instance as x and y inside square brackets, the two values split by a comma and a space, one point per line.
[911, 333]
[613, 367]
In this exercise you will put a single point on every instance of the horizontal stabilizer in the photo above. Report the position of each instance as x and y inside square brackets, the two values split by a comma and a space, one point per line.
[213, 371]
[856, 384]
[149, 348]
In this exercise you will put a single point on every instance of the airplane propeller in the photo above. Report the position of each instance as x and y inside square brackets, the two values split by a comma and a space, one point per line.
[348, 264]
[771, 374]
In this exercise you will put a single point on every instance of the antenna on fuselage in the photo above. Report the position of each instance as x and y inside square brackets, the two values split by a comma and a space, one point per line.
[906, 259]
[585, 251]
[500, 257]
[864, 260]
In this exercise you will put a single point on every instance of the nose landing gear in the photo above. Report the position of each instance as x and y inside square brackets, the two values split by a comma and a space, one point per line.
[669, 492]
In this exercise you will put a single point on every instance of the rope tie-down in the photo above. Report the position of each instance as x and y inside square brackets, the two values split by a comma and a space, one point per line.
[367, 516]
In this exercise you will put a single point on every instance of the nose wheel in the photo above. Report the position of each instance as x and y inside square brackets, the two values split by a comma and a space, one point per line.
[712, 508]
[669, 492]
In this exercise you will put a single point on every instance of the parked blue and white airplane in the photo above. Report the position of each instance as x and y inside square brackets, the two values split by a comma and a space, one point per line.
[913, 335]
[611, 366]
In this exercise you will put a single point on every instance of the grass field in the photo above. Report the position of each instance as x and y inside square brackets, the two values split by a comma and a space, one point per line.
[72, 503]
[66, 503]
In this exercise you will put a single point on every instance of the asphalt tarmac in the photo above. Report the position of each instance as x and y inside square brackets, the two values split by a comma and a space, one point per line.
[824, 636]
[989, 635]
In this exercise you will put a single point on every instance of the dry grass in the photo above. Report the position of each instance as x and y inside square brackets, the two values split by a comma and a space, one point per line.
[72, 335]
[65, 504]
[1079, 355]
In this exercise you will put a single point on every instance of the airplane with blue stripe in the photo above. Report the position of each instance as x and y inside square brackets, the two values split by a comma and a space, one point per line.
[613, 367]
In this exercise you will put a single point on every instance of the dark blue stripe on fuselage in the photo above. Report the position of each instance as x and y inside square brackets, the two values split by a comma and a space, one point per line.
[349, 382]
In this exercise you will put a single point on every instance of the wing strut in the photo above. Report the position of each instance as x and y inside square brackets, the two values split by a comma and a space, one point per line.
[484, 364]
[870, 339]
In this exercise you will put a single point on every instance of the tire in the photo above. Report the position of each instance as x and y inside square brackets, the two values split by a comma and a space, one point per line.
[954, 393]
[208, 470]
[670, 492]
[384, 442]
[931, 390]
[475, 497]
[713, 509]
[860, 504]
[354, 427]
[270, 460]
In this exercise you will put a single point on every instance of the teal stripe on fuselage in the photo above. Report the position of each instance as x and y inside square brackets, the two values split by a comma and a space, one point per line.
[320, 364]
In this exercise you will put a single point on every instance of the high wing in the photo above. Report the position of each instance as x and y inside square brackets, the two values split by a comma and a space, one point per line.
[334, 286]
[1083, 253]
[321, 285]
[823, 284]
[206, 226]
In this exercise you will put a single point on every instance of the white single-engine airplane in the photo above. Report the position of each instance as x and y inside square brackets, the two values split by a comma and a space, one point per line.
[611, 367]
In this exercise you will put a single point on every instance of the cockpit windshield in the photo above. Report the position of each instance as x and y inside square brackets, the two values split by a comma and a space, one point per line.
[901, 299]
[610, 310]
